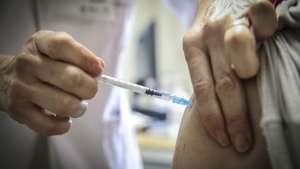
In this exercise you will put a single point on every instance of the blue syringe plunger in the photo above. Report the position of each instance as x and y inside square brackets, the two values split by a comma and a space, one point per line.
[181, 101]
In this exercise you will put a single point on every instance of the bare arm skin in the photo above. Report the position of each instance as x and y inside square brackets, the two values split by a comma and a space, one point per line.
[196, 150]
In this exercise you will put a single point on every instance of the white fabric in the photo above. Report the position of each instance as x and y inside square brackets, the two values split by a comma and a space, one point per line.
[280, 88]
[185, 10]
[279, 81]
[107, 135]
[98, 139]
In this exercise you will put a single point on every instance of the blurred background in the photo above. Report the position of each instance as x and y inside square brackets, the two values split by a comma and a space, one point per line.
[155, 58]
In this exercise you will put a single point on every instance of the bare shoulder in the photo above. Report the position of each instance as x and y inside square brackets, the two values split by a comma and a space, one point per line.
[196, 150]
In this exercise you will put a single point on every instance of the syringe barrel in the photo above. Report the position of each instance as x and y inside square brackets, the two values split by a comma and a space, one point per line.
[144, 90]
[158, 94]
[123, 84]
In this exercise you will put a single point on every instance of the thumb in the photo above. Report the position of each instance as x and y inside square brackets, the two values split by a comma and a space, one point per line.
[262, 17]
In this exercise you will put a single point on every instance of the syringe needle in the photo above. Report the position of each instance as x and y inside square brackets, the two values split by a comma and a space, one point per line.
[144, 90]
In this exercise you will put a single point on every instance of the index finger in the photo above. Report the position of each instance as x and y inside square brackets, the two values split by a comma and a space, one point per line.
[209, 110]
[228, 88]
[61, 46]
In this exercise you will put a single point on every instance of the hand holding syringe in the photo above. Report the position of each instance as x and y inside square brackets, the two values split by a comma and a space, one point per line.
[145, 90]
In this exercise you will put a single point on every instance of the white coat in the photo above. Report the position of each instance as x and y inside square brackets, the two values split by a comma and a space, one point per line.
[102, 138]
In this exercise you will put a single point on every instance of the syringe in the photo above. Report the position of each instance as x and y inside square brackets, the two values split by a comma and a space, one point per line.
[144, 90]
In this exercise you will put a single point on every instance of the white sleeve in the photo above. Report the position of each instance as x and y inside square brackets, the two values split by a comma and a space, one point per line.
[185, 10]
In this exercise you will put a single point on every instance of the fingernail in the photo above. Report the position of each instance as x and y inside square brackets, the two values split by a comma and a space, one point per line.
[101, 62]
[98, 66]
[81, 108]
[241, 143]
[83, 105]
[222, 138]
[70, 120]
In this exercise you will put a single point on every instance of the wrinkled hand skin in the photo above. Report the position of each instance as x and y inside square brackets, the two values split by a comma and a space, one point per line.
[47, 82]
[196, 150]
[219, 56]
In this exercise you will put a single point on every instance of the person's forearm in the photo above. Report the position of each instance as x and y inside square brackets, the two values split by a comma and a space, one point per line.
[5, 72]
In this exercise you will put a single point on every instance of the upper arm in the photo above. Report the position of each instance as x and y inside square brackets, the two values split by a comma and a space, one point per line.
[196, 150]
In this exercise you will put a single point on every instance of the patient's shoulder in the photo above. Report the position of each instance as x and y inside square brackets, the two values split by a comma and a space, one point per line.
[196, 150]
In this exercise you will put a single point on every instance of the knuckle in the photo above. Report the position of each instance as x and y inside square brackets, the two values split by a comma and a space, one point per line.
[237, 36]
[26, 62]
[203, 88]
[211, 32]
[233, 35]
[235, 122]
[30, 46]
[73, 79]
[77, 79]
[62, 39]
[224, 85]
[79, 84]
[59, 42]
[67, 105]
[193, 42]
[214, 30]
[211, 120]
[210, 28]
[22, 60]
[38, 35]
[191, 39]
[91, 90]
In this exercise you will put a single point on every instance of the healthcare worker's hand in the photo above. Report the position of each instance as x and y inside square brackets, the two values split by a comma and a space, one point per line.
[48, 81]
[220, 52]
